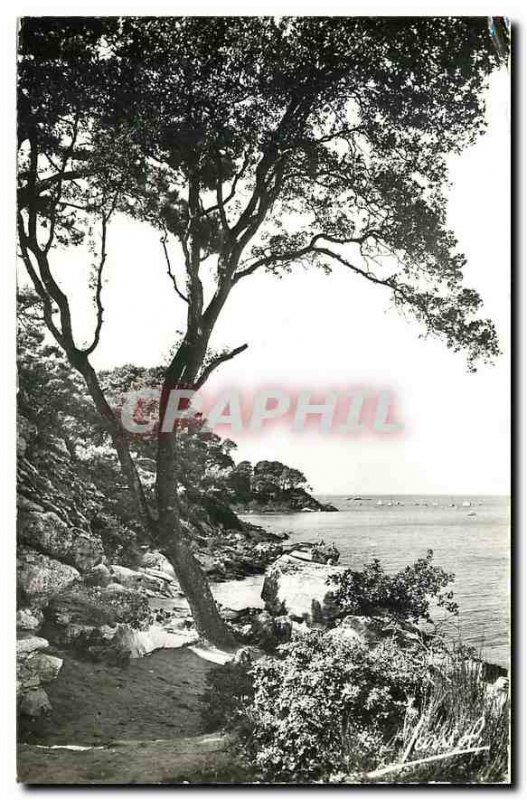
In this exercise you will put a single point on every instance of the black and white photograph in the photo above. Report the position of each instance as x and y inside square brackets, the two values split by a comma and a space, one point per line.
[263, 400]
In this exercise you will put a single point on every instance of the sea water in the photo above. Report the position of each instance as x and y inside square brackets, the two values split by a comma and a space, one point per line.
[470, 536]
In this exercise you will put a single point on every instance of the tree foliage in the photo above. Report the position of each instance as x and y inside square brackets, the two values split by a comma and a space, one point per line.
[265, 481]
[269, 143]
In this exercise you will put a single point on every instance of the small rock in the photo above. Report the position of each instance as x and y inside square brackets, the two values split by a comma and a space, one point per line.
[156, 560]
[247, 655]
[269, 631]
[208, 563]
[36, 669]
[28, 505]
[45, 666]
[364, 630]
[230, 614]
[133, 579]
[325, 553]
[98, 576]
[29, 644]
[35, 702]
[29, 619]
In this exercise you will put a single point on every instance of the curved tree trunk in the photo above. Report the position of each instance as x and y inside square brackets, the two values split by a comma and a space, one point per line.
[172, 541]
[170, 537]
[162, 524]
[165, 530]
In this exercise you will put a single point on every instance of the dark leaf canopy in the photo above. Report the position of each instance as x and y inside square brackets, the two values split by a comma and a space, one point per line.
[265, 143]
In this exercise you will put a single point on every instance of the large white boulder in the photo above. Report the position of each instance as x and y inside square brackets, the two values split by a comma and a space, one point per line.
[300, 589]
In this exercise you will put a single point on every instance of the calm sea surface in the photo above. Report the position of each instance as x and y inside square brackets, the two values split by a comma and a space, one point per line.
[470, 536]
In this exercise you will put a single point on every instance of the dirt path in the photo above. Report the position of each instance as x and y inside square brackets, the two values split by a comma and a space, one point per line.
[155, 697]
[195, 760]
[141, 723]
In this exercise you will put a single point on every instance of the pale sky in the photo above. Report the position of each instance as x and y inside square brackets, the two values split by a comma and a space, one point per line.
[311, 331]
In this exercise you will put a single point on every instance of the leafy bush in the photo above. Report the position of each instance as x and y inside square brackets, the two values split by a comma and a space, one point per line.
[405, 595]
[120, 541]
[322, 693]
[331, 710]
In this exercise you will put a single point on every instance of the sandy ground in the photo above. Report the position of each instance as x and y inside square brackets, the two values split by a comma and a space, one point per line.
[195, 760]
[155, 697]
[141, 723]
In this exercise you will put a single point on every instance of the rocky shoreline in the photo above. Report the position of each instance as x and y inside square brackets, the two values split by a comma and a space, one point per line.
[94, 601]
[86, 585]
[139, 683]
[113, 613]
[291, 502]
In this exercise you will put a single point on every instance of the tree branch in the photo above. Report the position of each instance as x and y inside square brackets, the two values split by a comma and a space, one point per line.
[26, 194]
[215, 363]
[232, 191]
[295, 112]
[390, 282]
[98, 292]
[292, 255]
[43, 295]
[169, 268]
[219, 198]
[48, 290]
[60, 176]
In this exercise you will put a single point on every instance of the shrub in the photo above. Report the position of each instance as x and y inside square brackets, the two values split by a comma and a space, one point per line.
[119, 540]
[322, 693]
[405, 596]
[332, 710]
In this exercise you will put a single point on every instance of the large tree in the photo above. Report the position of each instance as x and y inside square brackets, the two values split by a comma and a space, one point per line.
[250, 144]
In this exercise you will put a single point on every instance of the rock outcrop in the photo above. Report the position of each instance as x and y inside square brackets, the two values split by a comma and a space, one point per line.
[83, 576]
[87, 617]
[285, 501]
[299, 589]
[40, 577]
[34, 668]
[49, 534]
